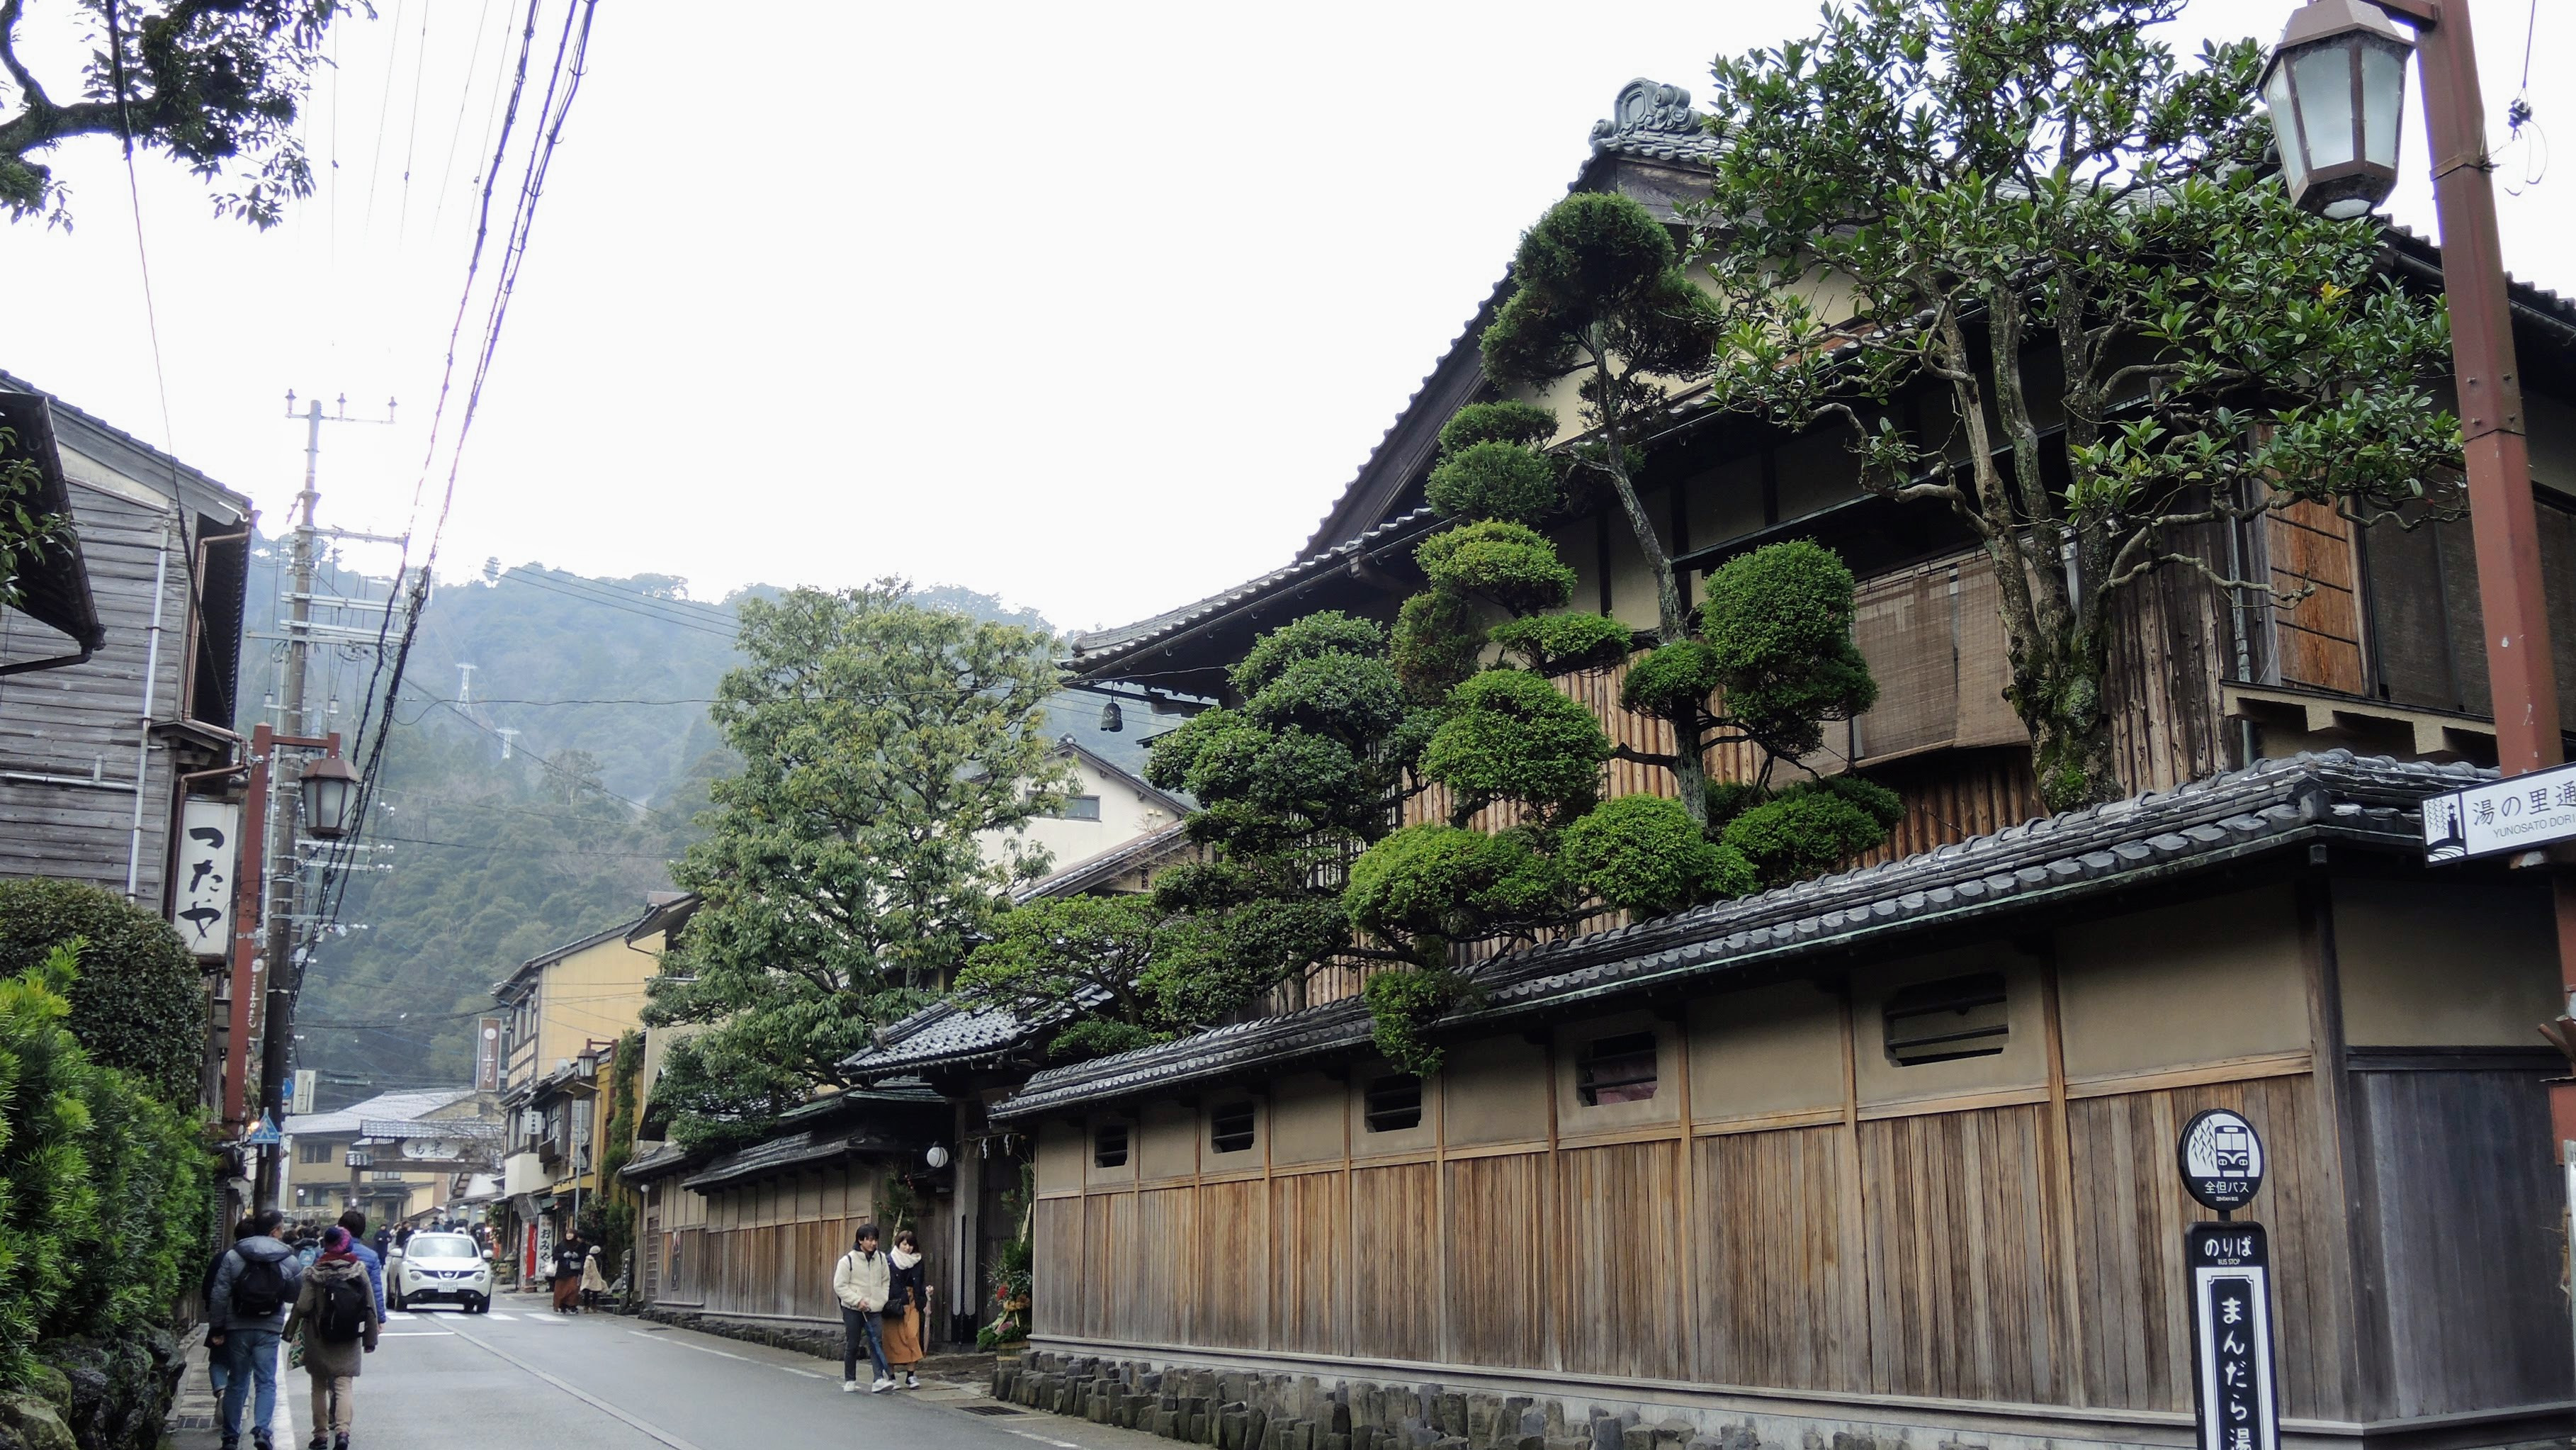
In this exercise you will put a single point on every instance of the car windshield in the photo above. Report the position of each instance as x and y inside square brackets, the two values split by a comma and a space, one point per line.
[443, 1246]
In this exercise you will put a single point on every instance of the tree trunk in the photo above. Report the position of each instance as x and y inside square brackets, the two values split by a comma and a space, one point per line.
[1690, 764]
[2060, 691]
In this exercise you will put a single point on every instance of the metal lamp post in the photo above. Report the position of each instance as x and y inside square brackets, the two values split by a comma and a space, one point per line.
[2335, 87]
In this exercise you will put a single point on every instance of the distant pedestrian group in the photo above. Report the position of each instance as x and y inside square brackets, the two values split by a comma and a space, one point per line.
[885, 1309]
[262, 1292]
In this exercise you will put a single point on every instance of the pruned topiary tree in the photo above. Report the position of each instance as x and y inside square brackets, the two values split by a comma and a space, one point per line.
[138, 1004]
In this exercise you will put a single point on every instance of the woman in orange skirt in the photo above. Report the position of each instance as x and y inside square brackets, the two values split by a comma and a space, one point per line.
[907, 1310]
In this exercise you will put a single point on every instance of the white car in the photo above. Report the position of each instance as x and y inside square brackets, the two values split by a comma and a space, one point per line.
[439, 1268]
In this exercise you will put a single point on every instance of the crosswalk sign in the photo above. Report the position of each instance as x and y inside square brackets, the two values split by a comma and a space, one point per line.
[265, 1135]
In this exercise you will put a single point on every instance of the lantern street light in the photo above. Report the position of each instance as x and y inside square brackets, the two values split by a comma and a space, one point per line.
[330, 790]
[2336, 86]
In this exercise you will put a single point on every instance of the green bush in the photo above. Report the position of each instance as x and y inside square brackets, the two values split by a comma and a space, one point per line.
[1524, 424]
[139, 1006]
[1329, 632]
[1779, 622]
[102, 1187]
[1673, 680]
[1811, 827]
[1403, 1003]
[1430, 883]
[1511, 564]
[1514, 736]
[1434, 648]
[1643, 853]
[1494, 480]
[1557, 644]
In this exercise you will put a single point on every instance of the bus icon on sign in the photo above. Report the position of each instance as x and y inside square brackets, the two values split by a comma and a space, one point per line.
[2232, 1150]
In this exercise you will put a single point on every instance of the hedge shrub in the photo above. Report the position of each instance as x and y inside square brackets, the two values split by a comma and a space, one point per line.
[139, 1006]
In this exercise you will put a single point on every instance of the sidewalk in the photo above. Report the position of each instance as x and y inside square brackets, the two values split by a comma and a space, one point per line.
[194, 1419]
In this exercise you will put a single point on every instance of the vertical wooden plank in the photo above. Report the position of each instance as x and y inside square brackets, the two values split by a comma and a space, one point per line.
[2355, 1282]
[2059, 1170]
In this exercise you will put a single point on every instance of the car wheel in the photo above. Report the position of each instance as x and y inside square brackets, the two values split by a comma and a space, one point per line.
[477, 1305]
[396, 1301]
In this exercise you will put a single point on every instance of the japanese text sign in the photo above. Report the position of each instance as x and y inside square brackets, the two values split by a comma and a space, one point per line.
[2233, 1389]
[201, 899]
[2516, 814]
[2221, 1157]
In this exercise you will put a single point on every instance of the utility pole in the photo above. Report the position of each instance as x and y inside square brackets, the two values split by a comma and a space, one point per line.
[284, 888]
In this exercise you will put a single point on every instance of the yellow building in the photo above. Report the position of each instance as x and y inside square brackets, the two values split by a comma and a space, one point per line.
[562, 1013]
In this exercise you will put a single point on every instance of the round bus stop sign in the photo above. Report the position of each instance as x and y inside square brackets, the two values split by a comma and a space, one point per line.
[2222, 1159]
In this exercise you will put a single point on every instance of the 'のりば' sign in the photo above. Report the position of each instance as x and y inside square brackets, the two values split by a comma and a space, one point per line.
[2520, 813]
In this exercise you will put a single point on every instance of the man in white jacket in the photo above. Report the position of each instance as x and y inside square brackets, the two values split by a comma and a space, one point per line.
[861, 1282]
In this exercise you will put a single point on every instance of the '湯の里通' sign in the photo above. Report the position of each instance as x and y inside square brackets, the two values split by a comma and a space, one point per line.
[2520, 813]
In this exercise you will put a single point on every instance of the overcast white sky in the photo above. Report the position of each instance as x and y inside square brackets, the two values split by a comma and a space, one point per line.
[1096, 308]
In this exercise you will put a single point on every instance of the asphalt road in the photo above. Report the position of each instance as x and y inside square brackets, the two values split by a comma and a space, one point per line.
[441, 1380]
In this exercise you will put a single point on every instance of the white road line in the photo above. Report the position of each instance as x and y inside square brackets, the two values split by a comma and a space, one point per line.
[543, 1319]
[1041, 1439]
[504, 1318]
[412, 1333]
[684, 1344]
[807, 1373]
[594, 1401]
[399, 1315]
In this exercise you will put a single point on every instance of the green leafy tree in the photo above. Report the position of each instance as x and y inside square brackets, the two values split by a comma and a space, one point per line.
[845, 869]
[218, 84]
[1088, 965]
[1600, 297]
[2025, 209]
[139, 1004]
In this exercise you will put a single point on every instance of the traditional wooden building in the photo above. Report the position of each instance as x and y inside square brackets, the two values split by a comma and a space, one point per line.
[1890, 1153]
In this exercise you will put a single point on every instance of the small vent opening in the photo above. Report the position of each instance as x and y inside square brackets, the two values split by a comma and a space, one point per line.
[1230, 1128]
[1109, 1146]
[1394, 1103]
[1617, 1069]
[1947, 1020]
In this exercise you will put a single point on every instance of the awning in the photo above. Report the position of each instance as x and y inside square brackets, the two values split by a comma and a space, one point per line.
[54, 589]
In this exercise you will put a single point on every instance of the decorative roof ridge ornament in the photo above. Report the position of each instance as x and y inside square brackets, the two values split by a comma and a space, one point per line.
[1648, 105]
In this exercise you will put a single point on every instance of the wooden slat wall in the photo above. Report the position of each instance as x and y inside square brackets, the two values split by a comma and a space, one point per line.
[88, 717]
[2443, 1149]
[2317, 639]
[1964, 1250]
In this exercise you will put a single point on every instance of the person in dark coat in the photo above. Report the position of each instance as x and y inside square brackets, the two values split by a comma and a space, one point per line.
[255, 1286]
[335, 1345]
[570, 1255]
[219, 1364]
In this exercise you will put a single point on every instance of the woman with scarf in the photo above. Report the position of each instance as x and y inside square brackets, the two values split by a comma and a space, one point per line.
[337, 1312]
[907, 1311]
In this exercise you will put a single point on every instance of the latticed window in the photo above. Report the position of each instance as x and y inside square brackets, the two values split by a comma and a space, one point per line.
[1946, 1020]
[1109, 1146]
[1230, 1128]
[1617, 1069]
[1394, 1103]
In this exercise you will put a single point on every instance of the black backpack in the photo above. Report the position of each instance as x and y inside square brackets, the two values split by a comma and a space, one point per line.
[343, 1309]
[261, 1288]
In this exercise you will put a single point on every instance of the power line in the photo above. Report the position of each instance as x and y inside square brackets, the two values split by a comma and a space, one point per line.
[384, 108]
[529, 850]
[411, 139]
[456, 130]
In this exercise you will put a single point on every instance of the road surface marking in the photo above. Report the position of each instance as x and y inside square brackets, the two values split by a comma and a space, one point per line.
[543, 1319]
[412, 1333]
[807, 1373]
[684, 1344]
[399, 1315]
[1041, 1439]
[504, 1318]
[595, 1402]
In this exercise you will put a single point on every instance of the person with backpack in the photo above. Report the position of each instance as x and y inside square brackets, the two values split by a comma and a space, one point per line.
[338, 1314]
[862, 1280]
[255, 1286]
[219, 1365]
[355, 1222]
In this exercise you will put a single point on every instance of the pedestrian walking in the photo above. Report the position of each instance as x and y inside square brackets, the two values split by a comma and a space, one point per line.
[355, 1222]
[566, 1275]
[338, 1313]
[593, 1282]
[862, 1280]
[907, 1310]
[219, 1364]
[255, 1287]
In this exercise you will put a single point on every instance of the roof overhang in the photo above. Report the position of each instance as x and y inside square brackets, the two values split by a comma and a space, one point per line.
[54, 591]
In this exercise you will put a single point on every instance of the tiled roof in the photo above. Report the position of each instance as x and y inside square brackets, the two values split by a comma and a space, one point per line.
[942, 1035]
[2273, 803]
[394, 1107]
[476, 1130]
[1104, 646]
[830, 1138]
[660, 1159]
[1108, 865]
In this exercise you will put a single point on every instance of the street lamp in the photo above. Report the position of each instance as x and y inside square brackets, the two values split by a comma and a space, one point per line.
[2336, 86]
[330, 790]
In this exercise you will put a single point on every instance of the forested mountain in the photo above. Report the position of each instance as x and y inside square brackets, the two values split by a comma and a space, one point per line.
[527, 803]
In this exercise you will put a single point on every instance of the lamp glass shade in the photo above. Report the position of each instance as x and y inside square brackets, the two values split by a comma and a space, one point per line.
[2336, 88]
[330, 791]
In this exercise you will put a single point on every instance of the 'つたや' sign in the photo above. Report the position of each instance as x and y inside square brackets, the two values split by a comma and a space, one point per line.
[2519, 813]
[2233, 1389]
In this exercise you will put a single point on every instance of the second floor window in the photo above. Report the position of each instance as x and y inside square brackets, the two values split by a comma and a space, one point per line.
[1394, 1103]
[1230, 1128]
[1077, 808]
[313, 1152]
[1617, 1069]
[1109, 1146]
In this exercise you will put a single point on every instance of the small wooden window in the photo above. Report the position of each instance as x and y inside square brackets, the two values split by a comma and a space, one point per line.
[1617, 1069]
[1230, 1128]
[1946, 1020]
[1109, 1146]
[1394, 1103]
